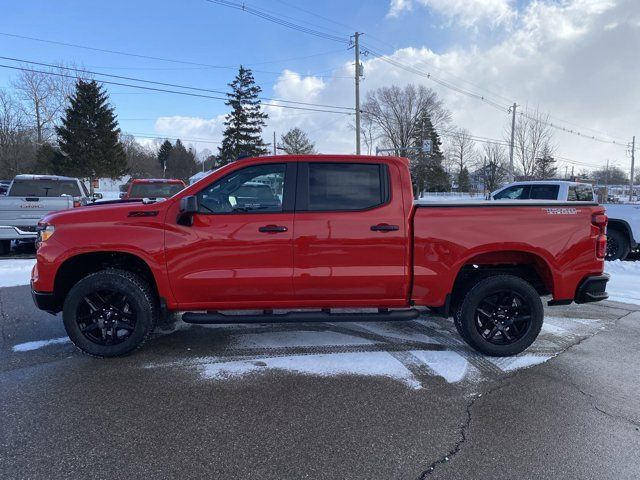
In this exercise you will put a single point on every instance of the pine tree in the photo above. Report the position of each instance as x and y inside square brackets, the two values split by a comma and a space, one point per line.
[464, 180]
[89, 136]
[163, 154]
[545, 166]
[295, 141]
[243, 133]
[181, 162]
[426, 168]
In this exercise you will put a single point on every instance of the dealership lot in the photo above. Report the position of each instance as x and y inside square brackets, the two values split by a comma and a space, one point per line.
[367, 400]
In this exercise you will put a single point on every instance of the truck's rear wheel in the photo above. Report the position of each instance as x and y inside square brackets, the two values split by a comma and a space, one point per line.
[617, 245]
[500, 316]
[110, 313]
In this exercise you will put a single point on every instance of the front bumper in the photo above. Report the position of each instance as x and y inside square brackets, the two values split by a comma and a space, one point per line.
[593, 289]
[45, 301]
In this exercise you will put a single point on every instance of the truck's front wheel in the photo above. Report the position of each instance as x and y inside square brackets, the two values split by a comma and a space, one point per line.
[110, 313]
[500, 316]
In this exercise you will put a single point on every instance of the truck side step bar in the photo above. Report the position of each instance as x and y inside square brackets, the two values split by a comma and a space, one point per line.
[321, 316]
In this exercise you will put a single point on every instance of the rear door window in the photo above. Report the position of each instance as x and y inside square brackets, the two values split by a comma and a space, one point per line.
[515, 192]
[544, 192]
[345, 186]
[580, 193]
[44, 188]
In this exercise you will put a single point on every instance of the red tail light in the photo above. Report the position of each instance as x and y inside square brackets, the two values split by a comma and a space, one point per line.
[77, 203]
[600, 220]
[601, 246]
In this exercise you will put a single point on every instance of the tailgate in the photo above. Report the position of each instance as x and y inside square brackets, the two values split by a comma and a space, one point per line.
[27, 211]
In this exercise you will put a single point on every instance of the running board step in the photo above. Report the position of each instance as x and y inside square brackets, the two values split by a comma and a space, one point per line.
[323, 316]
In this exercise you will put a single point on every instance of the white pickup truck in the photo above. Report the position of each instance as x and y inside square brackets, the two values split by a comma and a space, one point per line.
[623, 230]
[31, 197]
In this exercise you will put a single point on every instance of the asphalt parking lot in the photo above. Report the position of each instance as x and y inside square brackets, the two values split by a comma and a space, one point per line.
[358, 401]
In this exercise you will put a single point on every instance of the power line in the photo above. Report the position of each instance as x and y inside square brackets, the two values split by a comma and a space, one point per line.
[189, 94]
[280, 20]
[437, 80]
[151, 57]
[121, 77]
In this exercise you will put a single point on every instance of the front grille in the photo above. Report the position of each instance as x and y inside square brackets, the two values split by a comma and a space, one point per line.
[28, 228]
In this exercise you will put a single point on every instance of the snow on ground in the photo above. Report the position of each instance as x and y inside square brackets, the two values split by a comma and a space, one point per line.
[624, 285]
[15, 272]
[28, 346]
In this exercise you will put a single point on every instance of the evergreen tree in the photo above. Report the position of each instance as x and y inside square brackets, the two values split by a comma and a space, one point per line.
[181, 162]
[89, 136]
[545, 166]
[464, 180]
[295, 141]
[163, 154]
[426, 168]
[243, 133]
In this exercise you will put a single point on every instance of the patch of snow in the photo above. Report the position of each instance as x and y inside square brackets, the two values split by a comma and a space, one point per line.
[548, 327]
[380, 364]
[508, 364]
[624, 285]
[28, 346]
[14, 272]
[449, 365]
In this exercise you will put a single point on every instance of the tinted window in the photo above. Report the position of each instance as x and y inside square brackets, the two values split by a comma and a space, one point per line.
[345, 186]
[544, 192]
[153, 190]
[257, 188]
[44, 188]
[516, 192]
[580, 193]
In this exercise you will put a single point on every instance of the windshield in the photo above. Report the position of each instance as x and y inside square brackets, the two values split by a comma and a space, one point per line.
[154, 190]
[44, 188]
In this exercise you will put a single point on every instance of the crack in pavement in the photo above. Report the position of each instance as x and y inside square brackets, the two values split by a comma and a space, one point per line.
[503, 383]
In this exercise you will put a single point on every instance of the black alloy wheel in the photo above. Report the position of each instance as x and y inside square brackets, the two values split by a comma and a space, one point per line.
[503, 317]
[106, 317]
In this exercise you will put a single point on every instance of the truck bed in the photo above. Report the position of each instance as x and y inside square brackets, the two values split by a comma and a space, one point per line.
[559, 243]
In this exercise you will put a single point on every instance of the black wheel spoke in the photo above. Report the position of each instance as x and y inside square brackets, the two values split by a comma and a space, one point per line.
[106, 317]
[503, 317]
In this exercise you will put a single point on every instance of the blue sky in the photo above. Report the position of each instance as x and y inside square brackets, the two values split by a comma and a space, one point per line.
[197, 31]
[564, 57]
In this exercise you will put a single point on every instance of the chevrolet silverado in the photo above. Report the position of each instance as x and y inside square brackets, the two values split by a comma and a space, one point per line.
[336, 236]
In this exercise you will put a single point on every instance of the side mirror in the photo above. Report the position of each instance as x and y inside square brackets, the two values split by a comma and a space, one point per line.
[96, 196]
[188, 206]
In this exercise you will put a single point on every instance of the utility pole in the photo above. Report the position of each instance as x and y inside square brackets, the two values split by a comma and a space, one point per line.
[275, 152]
[513, 132]
[633, 161]
[358, 75]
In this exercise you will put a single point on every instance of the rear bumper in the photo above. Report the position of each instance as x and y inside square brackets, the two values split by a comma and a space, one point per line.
[9, 232]
[593, 289]
[45, 301]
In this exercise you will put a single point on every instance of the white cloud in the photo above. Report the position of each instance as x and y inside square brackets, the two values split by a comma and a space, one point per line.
[558, 57]
[398, 6]
[466, 12]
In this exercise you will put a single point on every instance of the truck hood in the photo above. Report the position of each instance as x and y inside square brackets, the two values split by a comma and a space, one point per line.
[128, 211]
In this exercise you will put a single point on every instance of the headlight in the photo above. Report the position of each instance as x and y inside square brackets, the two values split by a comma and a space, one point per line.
[45, 231]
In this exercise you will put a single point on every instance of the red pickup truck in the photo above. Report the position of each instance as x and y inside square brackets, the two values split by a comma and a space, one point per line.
[304, 238]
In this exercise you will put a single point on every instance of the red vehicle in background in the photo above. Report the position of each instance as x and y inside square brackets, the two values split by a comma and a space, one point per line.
[153, 188]
[302, 237]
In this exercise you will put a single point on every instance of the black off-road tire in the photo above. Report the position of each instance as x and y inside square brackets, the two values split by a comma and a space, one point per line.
[139, 294]
[617, 245]
[466, 317]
